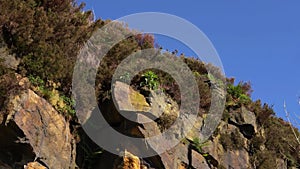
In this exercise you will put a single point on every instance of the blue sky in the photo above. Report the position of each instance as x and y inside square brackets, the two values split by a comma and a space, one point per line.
[257, 41]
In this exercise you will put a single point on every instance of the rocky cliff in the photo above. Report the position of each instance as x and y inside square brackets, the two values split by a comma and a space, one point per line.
[35, 135]
[42, 127]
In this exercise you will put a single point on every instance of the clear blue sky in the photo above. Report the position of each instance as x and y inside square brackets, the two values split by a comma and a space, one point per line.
[257, 41]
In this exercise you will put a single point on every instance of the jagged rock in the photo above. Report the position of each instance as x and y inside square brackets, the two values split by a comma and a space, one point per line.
[213, 146]
[214, 151]
[34, 165]
[182, 156]
[127, 103]
[128, 161]
[236, 159]
[37, 131]
[248, 117]
[159, 106]
[194, 132]
[231, 158]
[162, 104]
[245, 120]
[198, 161]
[247, 130]
[128, 99]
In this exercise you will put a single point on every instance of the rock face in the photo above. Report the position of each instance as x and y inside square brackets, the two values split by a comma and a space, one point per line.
[128, 161]
[35, 136]
[34, 165]
[34, 129]
[245, 121]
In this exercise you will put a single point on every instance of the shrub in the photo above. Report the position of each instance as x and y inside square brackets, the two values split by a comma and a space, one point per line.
[150, 80]
[3, 69]
[264, 160]
[265, 113]
[165, 121]
[8, 85]
[232, 141]
[58, 100]
[46, 36]
[239, 94]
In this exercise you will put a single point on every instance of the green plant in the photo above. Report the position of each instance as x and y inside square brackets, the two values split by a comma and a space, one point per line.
[68, 106]
[49, 91]
[36, 80]
[238, 94]
[39, 86]
[198, 145]
[150, 80]
[214, 80]
[244, 99]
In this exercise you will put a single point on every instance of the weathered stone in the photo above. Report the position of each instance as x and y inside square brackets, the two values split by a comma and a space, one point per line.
[128, 99]
[149, 130]
[194, 132]
[247, 130]
[182, 154]
[245, 121]
[45, 130]
[128, 161]
[236, 159]
[248, 117]
[198, 161]
[34, 165]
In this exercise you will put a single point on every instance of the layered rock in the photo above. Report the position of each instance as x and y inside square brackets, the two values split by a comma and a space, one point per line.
[32, 130]
[35, 136]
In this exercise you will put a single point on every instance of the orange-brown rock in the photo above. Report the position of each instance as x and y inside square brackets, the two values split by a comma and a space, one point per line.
[33, 129]
[34, 165]
[128, 161]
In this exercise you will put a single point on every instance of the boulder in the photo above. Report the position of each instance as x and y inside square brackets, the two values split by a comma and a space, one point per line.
[127, 99]
[34, 129]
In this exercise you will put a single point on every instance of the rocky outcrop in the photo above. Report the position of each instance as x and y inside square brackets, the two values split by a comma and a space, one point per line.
[127, 161]
[34, 165]
[245, 120]
[32, 130]
[183, 156]
[35, 136]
